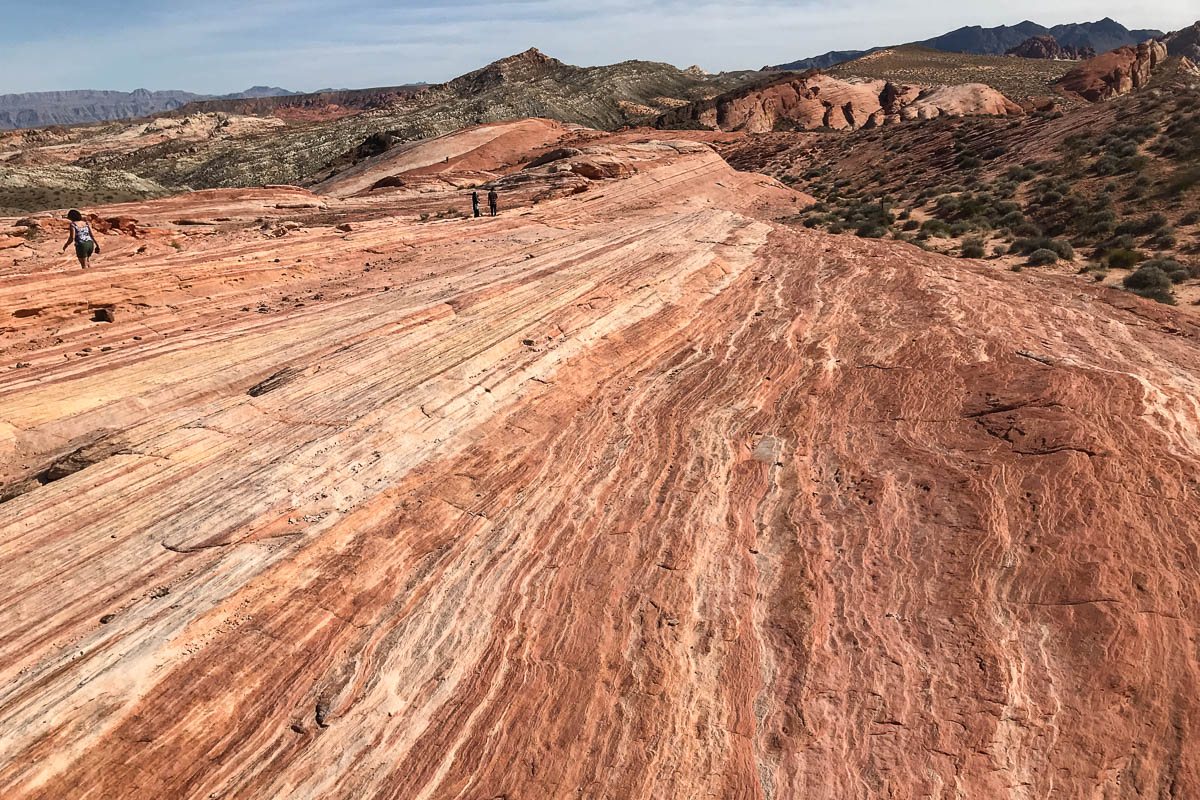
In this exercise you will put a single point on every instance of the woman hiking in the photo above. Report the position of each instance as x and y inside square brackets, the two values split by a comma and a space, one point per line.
[81, 235]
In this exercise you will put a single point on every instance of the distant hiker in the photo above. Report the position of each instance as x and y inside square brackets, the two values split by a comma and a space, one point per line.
[492, 198]
[475, 203]
[81, 235]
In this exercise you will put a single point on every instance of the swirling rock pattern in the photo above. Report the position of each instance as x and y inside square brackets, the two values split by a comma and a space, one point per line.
[634, 493]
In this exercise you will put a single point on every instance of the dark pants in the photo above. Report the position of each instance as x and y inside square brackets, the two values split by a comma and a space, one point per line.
[492, 206]
[475, 209]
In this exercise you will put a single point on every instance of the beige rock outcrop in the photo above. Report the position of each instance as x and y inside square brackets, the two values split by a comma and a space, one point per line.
[816, 100]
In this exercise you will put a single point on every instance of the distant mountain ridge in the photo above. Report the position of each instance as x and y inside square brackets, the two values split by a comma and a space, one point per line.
[77, 106]
[1101, 36]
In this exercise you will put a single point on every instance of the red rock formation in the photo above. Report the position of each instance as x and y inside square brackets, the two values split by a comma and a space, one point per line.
[815, 100]
[635, 494]
[1115, 73]
[1048, 47]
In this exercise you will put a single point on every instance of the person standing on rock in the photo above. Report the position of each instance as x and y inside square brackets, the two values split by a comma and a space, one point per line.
[492, 198]
[475, 203]
[81, 235]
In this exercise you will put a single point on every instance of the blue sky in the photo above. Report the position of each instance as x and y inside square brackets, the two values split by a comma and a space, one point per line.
[227, 45]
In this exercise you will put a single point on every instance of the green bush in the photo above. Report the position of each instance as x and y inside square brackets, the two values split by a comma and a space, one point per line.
[999, 250]
[1040, 258]
[1123, 259]
[1060, 247]
[1190, 218]
[1151, 282]
[911, 225]
[1165, 239]
[936, 228]
[1143, 226]
[870, 230]
[1177, 272]
[973, 248]
[1183, 180]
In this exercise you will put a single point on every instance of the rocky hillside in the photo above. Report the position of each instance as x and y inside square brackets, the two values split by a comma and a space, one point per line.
[321, 105]
[1185, 42]
[328, 129]
[38, 109]
[1019, 79]
[813, 101]
[1108, 190]
[1099, 36]
[1049, 47]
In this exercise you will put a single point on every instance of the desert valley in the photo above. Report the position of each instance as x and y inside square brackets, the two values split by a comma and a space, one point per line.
[829, 430]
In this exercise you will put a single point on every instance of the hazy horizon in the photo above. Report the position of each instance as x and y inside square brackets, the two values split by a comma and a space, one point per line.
[303, 45]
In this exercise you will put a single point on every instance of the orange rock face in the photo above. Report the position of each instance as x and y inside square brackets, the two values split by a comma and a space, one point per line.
[636, 493]
[1116, 72]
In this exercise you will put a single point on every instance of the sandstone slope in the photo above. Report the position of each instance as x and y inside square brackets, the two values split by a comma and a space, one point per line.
[634, 493]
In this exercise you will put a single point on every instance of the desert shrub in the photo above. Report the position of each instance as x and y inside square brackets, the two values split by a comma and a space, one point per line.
[1123, 259]
[1012, 219]
[812, 222]
[999, 250]
[1183, 180]
[1027, 229]
[1144, 226]
[959, 228]
[973, 248]
[1019, 174]
[1005, 188]
[870, 230]
[911, 225]
[1165, 239]
[947, 205]
[936, 228]
[1040, 258]
[1178, 273]
[1150, 281]
[1060, 247]
[1190, 218]
[905, 214]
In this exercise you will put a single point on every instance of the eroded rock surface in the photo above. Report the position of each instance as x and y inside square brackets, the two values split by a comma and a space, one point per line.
[635, 493]
[815, 100]
[1116, 72]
